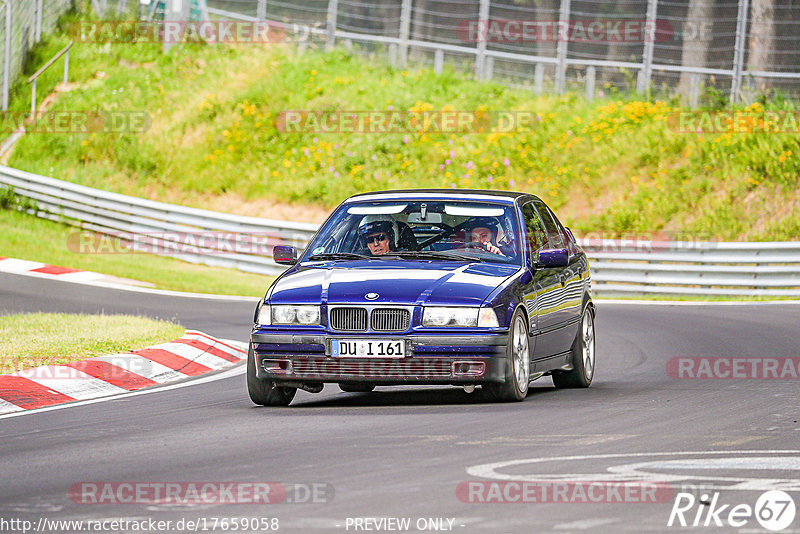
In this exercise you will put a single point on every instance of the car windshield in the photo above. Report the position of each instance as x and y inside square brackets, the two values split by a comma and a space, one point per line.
[421, 229]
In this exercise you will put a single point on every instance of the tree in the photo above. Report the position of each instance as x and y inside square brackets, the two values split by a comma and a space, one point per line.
[762, 38]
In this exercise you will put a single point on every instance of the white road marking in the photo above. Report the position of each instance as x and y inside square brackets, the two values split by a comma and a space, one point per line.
[584, 524]
[629, 472]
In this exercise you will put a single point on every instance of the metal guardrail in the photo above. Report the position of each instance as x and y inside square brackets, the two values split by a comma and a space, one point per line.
[618, 267]
[190, 234]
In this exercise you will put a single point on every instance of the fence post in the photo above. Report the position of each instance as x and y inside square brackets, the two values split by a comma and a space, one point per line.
[538, 79]
[261, 10]
[333, 9]
[694, 90]
[483, 25]
[7, 56]
[738, 50]
[405, 28]
[66, 68]
[590, 78]
[438, 61]
[38, 31]
[643, 81]
[122, 6]
[563, 43]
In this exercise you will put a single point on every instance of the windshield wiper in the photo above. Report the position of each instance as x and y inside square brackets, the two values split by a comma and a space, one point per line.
[434, 254]
[338, 256]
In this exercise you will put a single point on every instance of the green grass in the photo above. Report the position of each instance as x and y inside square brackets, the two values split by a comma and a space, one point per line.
[35, 239]
[614, 165]
[34, 339]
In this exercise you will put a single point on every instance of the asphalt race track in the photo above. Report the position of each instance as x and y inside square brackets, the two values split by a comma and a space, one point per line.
[402, 452]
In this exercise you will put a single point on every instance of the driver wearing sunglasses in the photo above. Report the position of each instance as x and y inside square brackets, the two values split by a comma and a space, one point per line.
[378, 234]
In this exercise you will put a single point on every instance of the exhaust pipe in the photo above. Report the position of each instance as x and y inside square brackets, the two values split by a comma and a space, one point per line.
[313, 387]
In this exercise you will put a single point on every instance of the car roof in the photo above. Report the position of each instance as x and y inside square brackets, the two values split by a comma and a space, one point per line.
[461, 194]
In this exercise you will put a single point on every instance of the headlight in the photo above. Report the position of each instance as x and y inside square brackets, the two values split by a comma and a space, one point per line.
[263, 315]
[450, 316]
[487, 318]
[301, 315]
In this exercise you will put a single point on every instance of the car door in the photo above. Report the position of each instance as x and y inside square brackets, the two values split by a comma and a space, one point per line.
[575, 280]
[555, 304]
[544, 281]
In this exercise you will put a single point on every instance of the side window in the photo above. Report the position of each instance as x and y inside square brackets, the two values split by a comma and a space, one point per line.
[535, 234]
[553, 233]
[569, 242]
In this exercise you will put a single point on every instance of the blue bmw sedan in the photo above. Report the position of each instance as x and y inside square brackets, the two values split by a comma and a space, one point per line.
[461, 287]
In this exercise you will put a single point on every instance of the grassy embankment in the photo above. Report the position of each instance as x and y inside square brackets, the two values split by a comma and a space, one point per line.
[30, 340]
[615, 165]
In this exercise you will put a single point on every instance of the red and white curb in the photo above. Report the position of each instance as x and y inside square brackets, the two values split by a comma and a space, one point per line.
[17, 266]
[193, 354]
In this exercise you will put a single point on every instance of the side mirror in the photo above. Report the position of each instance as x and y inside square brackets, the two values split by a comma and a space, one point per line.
[285, 255]
[554, 257]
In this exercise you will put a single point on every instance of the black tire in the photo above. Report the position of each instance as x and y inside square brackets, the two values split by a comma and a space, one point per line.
[356, 387]
[265, 392]
[583, 356]
[518, 364]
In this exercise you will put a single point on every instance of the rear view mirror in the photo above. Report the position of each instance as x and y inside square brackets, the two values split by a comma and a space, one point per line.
[554, 257]
[284, 255]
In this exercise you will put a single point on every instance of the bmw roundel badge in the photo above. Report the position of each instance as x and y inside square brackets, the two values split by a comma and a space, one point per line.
[371, 296]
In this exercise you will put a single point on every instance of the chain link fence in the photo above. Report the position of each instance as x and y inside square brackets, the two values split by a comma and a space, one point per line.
[22, 24]
[701, 49]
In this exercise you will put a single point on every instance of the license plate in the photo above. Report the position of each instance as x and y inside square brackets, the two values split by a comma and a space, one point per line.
[368, 348]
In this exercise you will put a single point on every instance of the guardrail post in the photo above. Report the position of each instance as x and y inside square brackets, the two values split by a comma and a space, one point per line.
[405, 28]
[590, 79]
[738, 50]
[261, 10]
[483, 25]
[563, 43]
[330, 29]
[7, 56]
[643, 81]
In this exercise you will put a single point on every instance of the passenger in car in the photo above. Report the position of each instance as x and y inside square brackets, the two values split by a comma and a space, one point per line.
[483, 234]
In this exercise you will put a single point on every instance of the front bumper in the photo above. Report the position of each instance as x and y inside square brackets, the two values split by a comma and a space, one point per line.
[430, 359]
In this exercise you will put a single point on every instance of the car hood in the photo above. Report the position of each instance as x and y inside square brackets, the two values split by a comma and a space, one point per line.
[403, 282]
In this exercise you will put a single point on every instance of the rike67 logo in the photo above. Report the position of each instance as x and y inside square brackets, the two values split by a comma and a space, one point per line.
[774, 510]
